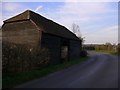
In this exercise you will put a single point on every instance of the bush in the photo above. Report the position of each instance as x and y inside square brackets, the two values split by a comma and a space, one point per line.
[83, 53]
[20, 58]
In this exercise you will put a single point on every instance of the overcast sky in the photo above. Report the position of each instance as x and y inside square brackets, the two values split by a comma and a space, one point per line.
[98, 21]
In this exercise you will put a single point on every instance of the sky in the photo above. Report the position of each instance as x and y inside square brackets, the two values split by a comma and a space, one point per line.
[97, 21]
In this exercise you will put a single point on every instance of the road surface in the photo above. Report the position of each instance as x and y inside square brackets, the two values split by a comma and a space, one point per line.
[99, 71]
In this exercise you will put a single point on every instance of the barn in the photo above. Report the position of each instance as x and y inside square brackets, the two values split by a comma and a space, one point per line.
[36, 31]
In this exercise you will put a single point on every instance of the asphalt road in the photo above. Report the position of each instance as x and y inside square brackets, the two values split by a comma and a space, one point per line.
[99, 71]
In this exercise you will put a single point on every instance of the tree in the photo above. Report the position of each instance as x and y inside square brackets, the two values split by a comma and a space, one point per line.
[109, 46]
[118, 48]
[107, 43]
[76, 31]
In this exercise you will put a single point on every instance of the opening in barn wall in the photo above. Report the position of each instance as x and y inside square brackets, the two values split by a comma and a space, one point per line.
[74, 49]
[53, 43]
[64, 51]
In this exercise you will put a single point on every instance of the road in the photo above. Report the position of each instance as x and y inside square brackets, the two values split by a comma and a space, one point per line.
[99, 71]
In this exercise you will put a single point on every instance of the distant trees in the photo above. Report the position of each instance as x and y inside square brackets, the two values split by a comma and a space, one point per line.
[106, 47]
[103, 47]
[89, 47]
[118, 48]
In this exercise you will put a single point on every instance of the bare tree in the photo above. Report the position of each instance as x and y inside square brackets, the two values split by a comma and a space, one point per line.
[76, 31]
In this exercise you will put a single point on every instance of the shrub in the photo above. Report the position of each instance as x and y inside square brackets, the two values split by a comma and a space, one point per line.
[83, 53]
[19, 58]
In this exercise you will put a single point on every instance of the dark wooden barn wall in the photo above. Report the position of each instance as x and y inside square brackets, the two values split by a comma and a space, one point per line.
[53, 44]
[23, 32]
[74, 49]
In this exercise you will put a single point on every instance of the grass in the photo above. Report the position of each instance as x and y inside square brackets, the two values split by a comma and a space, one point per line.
[11, 81]
[109, 52]
[114, 53]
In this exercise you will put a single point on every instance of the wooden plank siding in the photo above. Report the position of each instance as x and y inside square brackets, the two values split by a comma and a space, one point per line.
[23, 32]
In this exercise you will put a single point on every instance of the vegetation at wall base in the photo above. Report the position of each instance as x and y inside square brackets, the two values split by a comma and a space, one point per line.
[11, 80]
[20, 58]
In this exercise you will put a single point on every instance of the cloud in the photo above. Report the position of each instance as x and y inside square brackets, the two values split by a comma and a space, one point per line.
[108, 34]
[61, 0]
[11, 7]
[1, 14]
[91, 0]
[82, 12]
[38, 8]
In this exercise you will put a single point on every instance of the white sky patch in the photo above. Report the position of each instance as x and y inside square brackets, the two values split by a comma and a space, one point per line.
[109, 34]
[38, 8]
[11, 7]
[1, 14]
[82, 12]
[61, 1]
[91, 0]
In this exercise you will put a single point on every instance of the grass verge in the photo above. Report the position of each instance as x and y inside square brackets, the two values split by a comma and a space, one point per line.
[10, 81]
[109, 52]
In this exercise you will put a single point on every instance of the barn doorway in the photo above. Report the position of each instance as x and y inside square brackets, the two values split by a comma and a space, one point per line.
[64, 51]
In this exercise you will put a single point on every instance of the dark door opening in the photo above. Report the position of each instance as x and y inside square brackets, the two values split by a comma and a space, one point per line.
[64, 51]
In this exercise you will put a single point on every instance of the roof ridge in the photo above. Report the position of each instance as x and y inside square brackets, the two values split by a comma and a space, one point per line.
[28, 13]
[42, 22]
